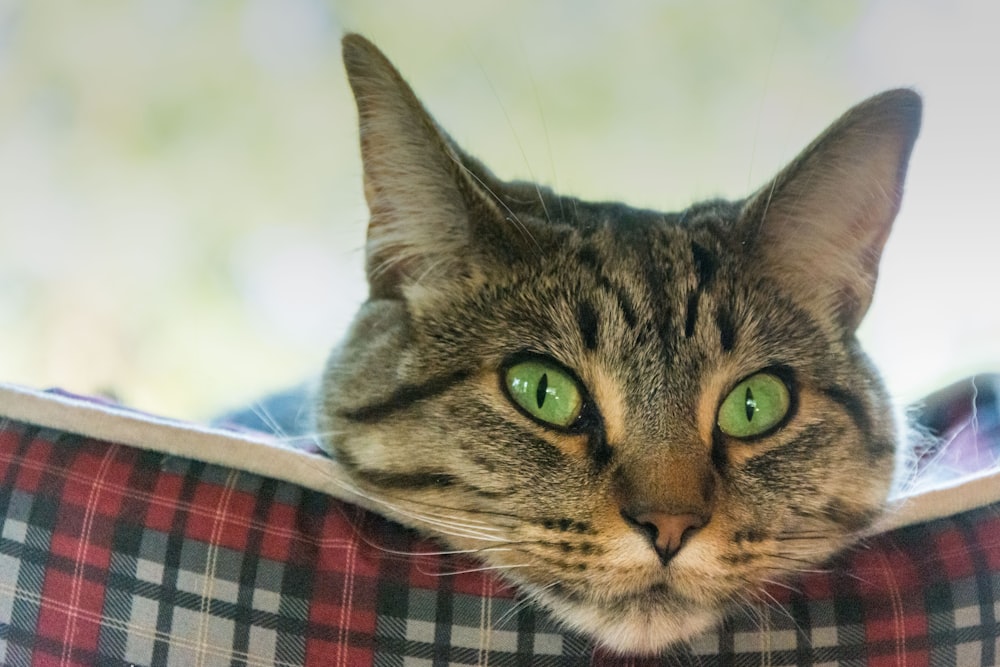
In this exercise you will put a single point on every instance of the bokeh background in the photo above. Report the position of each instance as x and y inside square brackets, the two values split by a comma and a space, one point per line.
[181, 213]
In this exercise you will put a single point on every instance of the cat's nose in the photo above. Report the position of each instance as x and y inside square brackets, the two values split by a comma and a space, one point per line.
[666, 532]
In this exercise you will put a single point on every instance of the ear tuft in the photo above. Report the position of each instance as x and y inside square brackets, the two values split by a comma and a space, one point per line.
[820, 226]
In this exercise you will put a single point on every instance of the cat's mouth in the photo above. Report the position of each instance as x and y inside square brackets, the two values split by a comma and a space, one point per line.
[622, 585]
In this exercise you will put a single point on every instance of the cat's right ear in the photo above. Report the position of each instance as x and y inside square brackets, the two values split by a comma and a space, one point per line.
[819, 227]
[430, 206]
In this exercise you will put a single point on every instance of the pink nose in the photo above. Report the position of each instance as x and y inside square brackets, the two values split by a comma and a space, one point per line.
[667, 532]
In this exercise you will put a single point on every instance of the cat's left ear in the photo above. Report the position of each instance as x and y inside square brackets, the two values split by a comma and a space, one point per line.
[820, 226]
[434, 214]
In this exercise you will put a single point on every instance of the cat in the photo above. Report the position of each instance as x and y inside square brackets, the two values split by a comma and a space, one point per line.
[638, 418]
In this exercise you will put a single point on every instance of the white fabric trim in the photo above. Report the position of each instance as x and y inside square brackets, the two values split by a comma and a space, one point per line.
[255, 454]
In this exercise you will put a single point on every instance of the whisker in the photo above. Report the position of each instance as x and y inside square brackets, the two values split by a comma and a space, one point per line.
[779, 584]
[473, 570]
[773, 604]
[385, 500]
[440, 552]
[548, 144]
[493, 524]
[513, 216]
[513, 520]
[810, 563]
[444, 526]
[260, 410]
[523, 602]
[751, 609]
[517, 142]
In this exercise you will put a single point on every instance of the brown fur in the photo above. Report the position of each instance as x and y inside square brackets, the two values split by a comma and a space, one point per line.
[659, 315]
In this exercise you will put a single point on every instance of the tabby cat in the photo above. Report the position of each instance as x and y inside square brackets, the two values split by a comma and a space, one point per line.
[639, 418]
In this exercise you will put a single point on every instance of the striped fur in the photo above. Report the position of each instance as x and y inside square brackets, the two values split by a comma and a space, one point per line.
[659, 315]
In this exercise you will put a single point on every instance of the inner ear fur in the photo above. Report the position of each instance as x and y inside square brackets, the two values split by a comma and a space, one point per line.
[819, 227]
[434, 210]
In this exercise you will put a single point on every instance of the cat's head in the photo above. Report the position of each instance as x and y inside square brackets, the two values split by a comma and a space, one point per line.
[638, 417]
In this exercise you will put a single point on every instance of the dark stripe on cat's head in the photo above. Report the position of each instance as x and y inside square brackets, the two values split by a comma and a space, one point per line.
[420, 481]
[719, 459]
[727, 328]
[586, 319]
[705, 263]
[692, 313]
[416, 480]
[705, 266]
[599, 449]
[590, 258]
[852, 405]
[411, 481]
[404, 397]
[658, 279]
[624, 303]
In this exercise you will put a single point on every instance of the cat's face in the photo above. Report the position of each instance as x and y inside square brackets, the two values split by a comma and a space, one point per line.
[640, 418]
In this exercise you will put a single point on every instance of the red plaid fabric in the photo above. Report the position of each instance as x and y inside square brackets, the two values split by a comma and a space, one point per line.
[111, 555]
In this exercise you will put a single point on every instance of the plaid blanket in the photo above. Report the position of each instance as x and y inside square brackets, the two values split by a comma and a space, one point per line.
[114, 555]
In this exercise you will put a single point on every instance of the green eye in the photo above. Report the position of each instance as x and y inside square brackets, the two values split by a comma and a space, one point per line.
[755, 406]
[544, 391]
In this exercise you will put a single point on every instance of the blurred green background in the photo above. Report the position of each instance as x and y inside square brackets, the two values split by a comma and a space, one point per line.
[181, 213]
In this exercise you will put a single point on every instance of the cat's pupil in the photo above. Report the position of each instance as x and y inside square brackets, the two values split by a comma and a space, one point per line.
[751, 405]
[541, 393]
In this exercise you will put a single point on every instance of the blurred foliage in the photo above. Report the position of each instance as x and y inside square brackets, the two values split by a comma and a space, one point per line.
[181, 217]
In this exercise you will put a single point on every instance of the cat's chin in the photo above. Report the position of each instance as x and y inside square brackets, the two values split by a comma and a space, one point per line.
[636, 622]
[638, 632]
